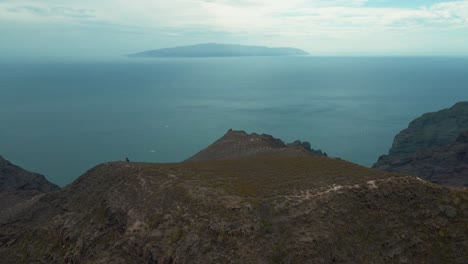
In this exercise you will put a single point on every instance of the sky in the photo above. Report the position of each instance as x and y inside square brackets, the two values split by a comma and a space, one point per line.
[107, 28]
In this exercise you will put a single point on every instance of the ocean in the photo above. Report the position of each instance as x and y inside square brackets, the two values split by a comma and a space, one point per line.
[61, 118]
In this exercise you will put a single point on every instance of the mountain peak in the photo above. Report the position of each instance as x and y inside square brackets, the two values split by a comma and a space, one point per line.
[18, 188]
[238, 144]
[14, 178]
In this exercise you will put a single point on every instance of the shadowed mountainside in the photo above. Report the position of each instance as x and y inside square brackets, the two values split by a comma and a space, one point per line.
[446, 165]
[432, 147]
[269, 209]
[18, 185]
[14, 178]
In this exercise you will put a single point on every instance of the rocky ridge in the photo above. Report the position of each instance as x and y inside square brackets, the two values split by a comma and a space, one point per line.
[15, 178]
[239, 144]
[18, 186]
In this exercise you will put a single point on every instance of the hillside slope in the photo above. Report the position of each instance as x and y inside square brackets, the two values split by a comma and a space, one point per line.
[18, 185]
[240, 145]
[283, 209]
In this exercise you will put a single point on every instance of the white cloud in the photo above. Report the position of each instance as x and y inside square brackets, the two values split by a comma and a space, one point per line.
[276, 22]
[241, 15]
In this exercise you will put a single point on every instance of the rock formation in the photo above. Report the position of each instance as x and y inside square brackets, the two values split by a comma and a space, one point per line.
[18, 185]
[433, 147]
[238, 145]
[14, 178]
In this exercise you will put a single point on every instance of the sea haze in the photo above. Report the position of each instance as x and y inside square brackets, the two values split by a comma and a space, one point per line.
[62, 118]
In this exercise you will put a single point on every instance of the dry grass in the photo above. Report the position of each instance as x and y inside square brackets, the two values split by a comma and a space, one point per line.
[272, 210]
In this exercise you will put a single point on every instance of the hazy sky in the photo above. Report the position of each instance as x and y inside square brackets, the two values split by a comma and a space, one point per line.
[37, 28]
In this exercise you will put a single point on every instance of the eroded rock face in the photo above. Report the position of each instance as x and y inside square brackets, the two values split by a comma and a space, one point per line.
[239, 144]
[447, 165]
[18, 185]
[432, 130]
[14, 178]
[433, 147]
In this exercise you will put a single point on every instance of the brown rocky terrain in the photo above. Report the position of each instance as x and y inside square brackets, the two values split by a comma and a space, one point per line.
[15, 178]
[432, 147]
[238, 144]
[292, 208]
[18, 185]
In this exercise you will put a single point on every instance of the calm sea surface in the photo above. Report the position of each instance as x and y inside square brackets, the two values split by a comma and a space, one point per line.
[62, 118]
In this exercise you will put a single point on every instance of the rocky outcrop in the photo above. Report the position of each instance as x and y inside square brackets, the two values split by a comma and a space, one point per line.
[262, 209]
[307, 146]
[433, 147]
[18, 185]
[238, 144]
[447, 165]
[432, 130]
[14, 178]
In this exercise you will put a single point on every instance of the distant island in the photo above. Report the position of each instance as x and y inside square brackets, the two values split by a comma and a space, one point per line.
[217, 50]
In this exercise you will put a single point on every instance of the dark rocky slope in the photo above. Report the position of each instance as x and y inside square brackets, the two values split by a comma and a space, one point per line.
[18, 185]
[269, 209]
[238, 145]
[446, 165]
[432, 147]
[432, 130]
[14, 178]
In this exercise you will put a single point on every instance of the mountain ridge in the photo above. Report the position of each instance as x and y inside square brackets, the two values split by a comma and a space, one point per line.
[19, 188]
[15, 178]
[238, 144]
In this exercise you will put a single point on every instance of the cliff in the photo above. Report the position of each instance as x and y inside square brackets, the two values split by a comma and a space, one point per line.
[429, 147]
[19, 188]
[15, 178]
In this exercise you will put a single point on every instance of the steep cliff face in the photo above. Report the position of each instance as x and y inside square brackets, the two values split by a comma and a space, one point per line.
[432, 147]
[262, 209]
[14, 178]
[238, 145]
[18, 185]
[447, 165]
[432, 130]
